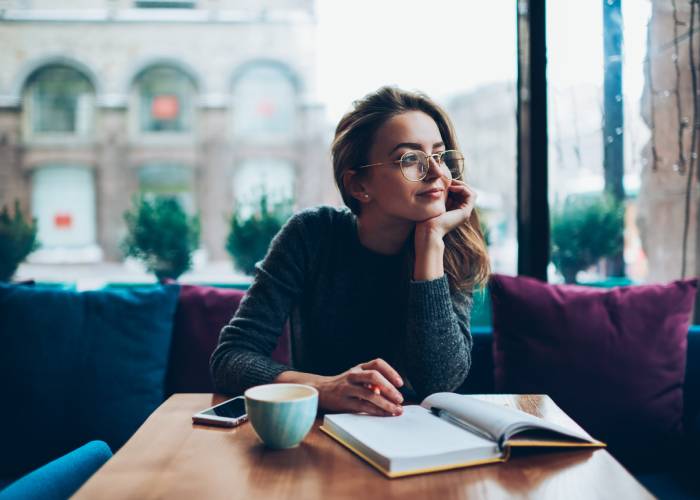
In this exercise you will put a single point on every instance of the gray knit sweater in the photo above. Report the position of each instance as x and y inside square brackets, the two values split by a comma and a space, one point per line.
[347, 305]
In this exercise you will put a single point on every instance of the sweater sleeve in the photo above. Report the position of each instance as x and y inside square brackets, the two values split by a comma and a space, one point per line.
[242, 357]
[438, 340]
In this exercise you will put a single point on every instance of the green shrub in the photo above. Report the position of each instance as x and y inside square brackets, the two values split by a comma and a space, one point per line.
[584, 230]
[161, 235]
[249, 238]
[17, 240]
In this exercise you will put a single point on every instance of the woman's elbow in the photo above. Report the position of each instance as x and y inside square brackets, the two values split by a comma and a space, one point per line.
[219, 372]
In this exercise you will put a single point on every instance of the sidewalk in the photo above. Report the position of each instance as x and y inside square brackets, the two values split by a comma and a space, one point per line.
[95, 276]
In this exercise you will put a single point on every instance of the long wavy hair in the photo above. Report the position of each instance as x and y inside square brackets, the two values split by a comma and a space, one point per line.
[466, 259]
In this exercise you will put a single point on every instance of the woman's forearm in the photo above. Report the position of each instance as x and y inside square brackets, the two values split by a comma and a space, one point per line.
[430, 251]
[294, 377]
[438, 342]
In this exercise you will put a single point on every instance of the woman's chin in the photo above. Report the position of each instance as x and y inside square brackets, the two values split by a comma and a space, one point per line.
[429, 212]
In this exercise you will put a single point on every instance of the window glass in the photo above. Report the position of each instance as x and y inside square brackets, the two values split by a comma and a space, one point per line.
[620, 109]
[63, 202]
[467, 63]
[61, 101]
[264, 104]
[166, 98]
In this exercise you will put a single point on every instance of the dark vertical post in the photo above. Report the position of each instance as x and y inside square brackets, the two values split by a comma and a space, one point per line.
[533, 211]
[613, 118]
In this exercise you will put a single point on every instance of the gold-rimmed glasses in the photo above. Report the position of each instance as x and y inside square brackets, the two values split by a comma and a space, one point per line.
[416, 164]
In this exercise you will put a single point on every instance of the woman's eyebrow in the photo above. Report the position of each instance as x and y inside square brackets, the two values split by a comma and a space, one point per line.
[414, 145]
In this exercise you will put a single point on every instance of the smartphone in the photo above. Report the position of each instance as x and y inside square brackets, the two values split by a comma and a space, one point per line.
[227, 414]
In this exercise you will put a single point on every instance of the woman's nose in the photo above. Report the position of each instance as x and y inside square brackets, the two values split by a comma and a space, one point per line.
[434, 169]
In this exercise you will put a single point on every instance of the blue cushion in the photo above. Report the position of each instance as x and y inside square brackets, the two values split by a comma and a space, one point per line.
[75, 367]
[480, 378]
[62, 477]
[691, 386]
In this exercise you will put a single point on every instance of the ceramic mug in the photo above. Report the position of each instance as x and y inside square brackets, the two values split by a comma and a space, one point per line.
[281, 414]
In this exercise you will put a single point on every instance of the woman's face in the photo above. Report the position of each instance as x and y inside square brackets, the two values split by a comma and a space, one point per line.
[389, 191]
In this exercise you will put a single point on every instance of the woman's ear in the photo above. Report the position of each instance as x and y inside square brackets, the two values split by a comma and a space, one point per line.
[355, 187]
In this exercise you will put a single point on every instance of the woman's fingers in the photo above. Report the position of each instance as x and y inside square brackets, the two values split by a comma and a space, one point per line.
[377, 400]
[373, 378]
[463, 192]
[385, 369]
[362, 406]
[462, 198]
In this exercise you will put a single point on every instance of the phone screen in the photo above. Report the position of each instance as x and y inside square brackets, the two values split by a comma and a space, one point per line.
[234, 408]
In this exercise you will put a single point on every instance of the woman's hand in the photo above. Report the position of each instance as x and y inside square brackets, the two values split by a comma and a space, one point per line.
[428, 236]
[459, 206]
[366, 388]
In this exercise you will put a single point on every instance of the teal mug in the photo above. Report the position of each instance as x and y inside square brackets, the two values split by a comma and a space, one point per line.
[281, 414]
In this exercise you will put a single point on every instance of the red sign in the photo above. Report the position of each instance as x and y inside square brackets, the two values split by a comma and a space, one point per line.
[165, 107]
[62, 221]
[266, 108]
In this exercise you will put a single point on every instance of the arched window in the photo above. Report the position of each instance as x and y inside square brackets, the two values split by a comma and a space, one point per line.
[255, 178]
[165, 100]
[264, 104]
[63, 202]
[59, 100]
[168, 179]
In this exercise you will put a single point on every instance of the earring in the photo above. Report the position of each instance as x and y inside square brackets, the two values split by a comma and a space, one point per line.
[366, 196]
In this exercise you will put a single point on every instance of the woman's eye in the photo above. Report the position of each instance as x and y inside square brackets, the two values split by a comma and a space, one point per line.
[410, 157]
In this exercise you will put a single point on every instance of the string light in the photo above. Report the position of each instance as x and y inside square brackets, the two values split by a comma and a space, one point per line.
[652, 94]
[693, 138]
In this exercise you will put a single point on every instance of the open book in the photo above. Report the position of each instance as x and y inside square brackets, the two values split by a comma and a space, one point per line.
[447, 431]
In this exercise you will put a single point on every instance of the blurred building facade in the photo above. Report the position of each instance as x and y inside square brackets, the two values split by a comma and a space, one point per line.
[211, 101]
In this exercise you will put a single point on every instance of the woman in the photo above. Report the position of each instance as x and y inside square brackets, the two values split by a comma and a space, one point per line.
[379, 295]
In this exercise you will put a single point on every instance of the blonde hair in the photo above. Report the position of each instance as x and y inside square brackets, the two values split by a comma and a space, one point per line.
[466, 259]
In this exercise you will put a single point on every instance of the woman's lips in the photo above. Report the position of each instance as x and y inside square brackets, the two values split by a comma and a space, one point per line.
[433, 194]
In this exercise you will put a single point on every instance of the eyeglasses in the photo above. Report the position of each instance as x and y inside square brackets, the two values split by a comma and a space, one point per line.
[416, 164]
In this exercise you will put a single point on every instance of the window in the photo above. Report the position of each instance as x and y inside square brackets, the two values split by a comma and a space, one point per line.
[60, 101]
[264, 104]
[166, 179]
[620, 126]
[486, 132]
[254, 178]
[468, 65]
[63, 202]
[165, 100]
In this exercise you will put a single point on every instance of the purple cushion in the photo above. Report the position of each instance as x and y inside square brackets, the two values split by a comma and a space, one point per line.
[613, 359]
[201, 313]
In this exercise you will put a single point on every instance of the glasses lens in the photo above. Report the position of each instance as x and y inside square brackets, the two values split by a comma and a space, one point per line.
[454, 161]
[413, 165]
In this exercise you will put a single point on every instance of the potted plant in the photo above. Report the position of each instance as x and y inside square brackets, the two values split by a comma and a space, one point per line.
[249, 237]
[584, 230]
[162, 235]
[17, 240]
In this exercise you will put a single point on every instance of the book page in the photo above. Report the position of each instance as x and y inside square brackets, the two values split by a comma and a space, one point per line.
[497, 421]
[415, 433]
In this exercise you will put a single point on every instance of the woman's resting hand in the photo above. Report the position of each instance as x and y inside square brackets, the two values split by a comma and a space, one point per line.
[366, 388]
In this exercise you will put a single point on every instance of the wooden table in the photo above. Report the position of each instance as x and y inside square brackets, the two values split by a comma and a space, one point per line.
[169, 457]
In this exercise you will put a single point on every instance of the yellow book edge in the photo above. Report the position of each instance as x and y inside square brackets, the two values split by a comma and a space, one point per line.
[553, 444]
[414, 472]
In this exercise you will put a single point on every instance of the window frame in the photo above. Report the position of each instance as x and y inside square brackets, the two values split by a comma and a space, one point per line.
[532, 151]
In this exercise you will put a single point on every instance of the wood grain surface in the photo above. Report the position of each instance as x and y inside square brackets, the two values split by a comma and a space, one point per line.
[169, 457]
